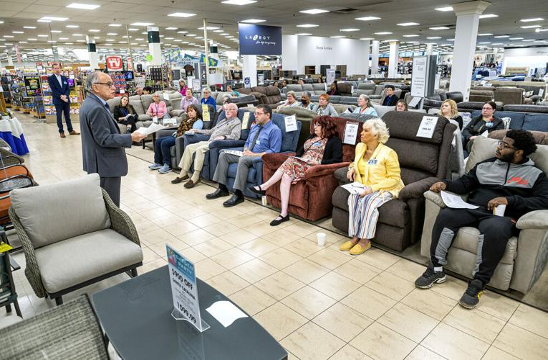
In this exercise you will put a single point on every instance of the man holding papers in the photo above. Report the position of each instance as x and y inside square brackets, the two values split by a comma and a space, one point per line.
[264, 137]
[509, 179]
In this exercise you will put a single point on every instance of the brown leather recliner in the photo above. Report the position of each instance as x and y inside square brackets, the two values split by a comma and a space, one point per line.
[423, 161]
[310, 198]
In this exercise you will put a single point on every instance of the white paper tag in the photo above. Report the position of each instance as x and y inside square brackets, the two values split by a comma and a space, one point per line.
[485, 133]
[155, 119]
[205, 112]
[414, 101]
[245, 120]
[427, 126]
[290, 123]
[350, 133]
[166, 96]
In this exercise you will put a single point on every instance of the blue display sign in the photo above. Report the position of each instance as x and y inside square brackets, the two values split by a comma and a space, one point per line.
[260, 39]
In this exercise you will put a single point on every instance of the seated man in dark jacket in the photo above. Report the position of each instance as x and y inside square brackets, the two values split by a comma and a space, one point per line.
[390, 99]
[510, 179]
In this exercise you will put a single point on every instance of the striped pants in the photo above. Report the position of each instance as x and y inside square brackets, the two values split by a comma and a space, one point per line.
[364, 213]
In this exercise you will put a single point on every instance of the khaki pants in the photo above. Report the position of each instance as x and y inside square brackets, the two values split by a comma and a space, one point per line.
[199, 148]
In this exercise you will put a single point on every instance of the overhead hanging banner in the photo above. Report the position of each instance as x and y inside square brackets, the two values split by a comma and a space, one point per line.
[260, 39]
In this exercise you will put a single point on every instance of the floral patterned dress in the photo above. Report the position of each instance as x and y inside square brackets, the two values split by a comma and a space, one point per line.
[296, 167]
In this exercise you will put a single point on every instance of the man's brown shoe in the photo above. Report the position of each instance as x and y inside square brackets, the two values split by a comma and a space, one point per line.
[190, 184]
[74, 133]
[62, 135]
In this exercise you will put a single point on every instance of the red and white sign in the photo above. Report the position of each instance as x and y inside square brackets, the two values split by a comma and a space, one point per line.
[129, 63]
[115, 63]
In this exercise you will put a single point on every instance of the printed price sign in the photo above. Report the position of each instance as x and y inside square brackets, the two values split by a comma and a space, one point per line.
[183, 287]
[350, 133]
[205, 113]
[245, 120]
[427, 126]
[290, 123]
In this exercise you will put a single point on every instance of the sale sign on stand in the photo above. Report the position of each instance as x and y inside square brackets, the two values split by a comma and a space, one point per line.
[115, 63]
[184, 290]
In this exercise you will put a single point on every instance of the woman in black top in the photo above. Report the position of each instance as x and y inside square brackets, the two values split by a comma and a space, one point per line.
[322, 147]
[449, 110]
[334, 89]
[487, 121]
[125, 113]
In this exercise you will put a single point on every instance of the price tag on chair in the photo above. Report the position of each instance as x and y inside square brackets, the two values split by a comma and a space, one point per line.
[205, 112]
[4, 247]
[350, 133]
[290, 123]
[427, 126]
[245, 120]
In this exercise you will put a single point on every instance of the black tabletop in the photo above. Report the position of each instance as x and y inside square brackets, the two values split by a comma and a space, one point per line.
[136, 317]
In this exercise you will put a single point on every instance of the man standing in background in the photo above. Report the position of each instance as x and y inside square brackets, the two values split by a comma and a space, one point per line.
[60, 91]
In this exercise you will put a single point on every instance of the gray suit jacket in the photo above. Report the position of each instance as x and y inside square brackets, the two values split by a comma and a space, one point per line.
[102, 144]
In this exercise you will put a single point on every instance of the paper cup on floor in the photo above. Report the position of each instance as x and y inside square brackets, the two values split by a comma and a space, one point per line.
[499, 210]
[321, 238]
[264, 200]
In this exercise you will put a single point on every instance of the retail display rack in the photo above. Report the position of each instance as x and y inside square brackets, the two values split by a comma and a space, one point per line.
[75, 96]
[158, 77]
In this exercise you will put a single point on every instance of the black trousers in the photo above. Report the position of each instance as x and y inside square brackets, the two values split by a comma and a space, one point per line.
[112, 186]
[60, 109]
[494, 234]
[130, 120]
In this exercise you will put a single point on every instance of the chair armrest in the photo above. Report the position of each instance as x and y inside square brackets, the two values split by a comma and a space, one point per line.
[120, 221]
[274, 160]
[223, 144]
[165, 132]
[340, 175]
[537, 219]
[416, 190]
[324, 170]
[434, 198]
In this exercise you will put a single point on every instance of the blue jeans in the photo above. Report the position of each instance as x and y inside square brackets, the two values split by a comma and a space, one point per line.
[60, 109]
[161, 149]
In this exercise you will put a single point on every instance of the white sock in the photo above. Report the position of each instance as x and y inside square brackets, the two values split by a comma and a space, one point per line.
[438, 268]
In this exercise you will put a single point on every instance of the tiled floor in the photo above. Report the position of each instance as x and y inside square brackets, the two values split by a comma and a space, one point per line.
[317, 302]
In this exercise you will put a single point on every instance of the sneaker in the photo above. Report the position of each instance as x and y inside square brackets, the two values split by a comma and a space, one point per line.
[155, 166]
[164, 169]
[472, 295]
[429, 278]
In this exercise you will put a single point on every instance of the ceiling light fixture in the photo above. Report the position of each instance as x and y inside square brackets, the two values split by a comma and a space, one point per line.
[434, 37]
[307, 25]
[502, 36]
[209, 28]
[182, 32]
[142, 24]
[349, 30]
[239, 2]
[181, 14]
[368, 18]
[72, 26]
[171, 28]
[42, 35]
[367, 38]
[253, 21]
[383, 33]
[337, 37]
[17, 32]
[516, 38]
[133, 29]
[410, 35]
[540, 30]
[485, 34]
[314, 11]
[439, 28]
[94, 30]
[488, 16]
[56, 31]
[83, 6]
[53, 18]
[408, 24]
[445, 8]
[303, 34]
[43, 20]
[530, 26]
[29, 27]
[496, 43]
[532, 19]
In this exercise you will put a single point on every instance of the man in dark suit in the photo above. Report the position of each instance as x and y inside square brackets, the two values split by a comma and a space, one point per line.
[102, 144]
[390, 99]
[60, 91]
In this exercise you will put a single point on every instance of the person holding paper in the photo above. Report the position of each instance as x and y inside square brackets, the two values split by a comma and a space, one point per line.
[487, 121]
[324, 107]
[229, 128]
[102, 144]
[158, 108]
[291, 100]
[449, 110]
[163, 145]
[264, 137]
[510, 179]
[125, 113]
[377, 167]
[208, 100]
[322, 147]
[364, 106]
[188, 100]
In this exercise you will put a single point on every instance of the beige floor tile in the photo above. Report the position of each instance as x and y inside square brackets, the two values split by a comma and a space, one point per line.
[407, 270]
[232, 258]
[156, 213]
[358, 271]
[192, 255]
[220, 228]
[531, 319]
[329, 258]
[260, 229]
[430, 303]
[254, 270]
[160, 248]
[342, 321]
[153, 265]
[408, 322]
[378, 258]
[303, 247]
[291, 356]
[279, 320]
[330, 237]
[252, 300]
[166, 220]
[238, 237]
[280, 258]
[349, 353]
[156, 236]
[335, 285]
[208, 268]
[422, 353]
[213, 247]
[306, 271]
[379, 342]
[308, 302]
[369, 302]
[227, 283]
[149, 255]
[391, 285]
[281, 237]
[453, 288]
[454, 344]
[195, 237]
[302, 228]
[312, 342]
[205, 220]
[496, 354]
[180, 228]
[279, 285]
[521, 343]
[145, 226]
[258, 247]
[469, 322]
[497, 305]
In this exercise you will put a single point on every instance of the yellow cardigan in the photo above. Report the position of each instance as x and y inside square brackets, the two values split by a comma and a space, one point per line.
[382, 174]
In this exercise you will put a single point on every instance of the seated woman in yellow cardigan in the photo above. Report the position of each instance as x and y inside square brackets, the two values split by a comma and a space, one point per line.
[377, 167]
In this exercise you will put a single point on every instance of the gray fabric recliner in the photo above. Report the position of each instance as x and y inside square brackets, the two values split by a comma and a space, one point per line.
[525, 256]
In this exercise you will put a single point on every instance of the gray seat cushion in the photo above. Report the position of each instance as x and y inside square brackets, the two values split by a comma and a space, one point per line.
[52, 213]
[85, 257]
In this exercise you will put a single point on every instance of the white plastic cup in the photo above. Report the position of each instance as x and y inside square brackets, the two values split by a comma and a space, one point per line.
[264, 200]
[499, 210]
[321, 238]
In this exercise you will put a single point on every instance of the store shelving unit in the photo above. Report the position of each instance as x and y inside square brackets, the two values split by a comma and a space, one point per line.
[158, 77]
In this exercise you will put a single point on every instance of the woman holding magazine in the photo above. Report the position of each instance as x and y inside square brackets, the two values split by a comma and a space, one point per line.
[377, 168]
[322, 147]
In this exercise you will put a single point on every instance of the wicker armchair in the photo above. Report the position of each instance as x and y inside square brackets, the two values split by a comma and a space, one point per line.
[7, 157]
[95, 242]
[70, 331]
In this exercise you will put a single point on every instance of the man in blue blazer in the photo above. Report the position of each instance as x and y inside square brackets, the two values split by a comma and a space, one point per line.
[102, 144]
[60, 91]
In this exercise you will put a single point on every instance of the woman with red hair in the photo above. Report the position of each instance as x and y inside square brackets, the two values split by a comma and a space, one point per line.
[322, 147]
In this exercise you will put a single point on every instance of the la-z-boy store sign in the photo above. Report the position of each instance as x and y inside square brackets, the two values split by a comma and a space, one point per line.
[260, 39]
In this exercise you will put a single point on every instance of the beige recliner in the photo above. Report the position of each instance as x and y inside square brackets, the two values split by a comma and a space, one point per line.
[525, 256]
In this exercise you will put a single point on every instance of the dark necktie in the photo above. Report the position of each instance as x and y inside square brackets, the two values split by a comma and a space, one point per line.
[254, 142]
